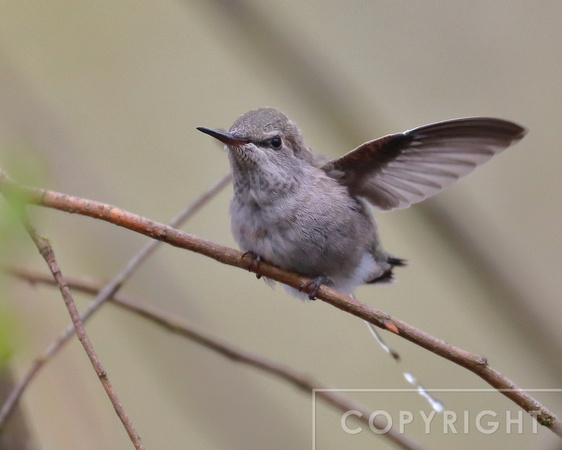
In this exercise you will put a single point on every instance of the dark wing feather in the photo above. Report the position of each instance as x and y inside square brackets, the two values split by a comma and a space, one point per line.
[398, 170]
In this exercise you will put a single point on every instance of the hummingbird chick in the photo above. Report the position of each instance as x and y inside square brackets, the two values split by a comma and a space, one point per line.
[306, 213]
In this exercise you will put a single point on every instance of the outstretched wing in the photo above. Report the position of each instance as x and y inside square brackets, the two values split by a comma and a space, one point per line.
[398, 170]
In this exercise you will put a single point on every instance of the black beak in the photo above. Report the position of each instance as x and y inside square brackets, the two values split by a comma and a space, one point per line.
[224, 137]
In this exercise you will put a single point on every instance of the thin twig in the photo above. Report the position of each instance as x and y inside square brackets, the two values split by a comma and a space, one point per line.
[226, 255]
[46, 251]
[106, 292]
[226, 349]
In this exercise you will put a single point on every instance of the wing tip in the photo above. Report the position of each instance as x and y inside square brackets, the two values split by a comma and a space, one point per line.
[520, 133]
[492, 125]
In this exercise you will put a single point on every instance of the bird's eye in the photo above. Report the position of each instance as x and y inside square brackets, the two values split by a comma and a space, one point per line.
[275, 142]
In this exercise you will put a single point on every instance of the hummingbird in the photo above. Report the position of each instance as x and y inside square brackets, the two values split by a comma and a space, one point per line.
[312, 215]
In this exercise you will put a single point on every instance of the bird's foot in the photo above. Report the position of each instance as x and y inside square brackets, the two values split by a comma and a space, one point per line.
[311, 287]
[255, 260]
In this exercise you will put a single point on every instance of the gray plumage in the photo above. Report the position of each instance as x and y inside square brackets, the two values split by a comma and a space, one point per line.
[308, 214]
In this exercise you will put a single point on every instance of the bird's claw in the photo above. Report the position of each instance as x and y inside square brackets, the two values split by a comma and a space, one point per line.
[312, 287]
[254, 262]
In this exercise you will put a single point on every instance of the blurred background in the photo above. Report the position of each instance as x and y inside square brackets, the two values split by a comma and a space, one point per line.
[101, 100]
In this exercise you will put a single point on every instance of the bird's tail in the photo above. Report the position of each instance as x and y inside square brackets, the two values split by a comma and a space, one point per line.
[388, 275]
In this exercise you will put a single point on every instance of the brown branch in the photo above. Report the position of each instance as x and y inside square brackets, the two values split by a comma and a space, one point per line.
[46, 250]
[225, 255]
[106, 292]
[109, 291]
[226, 349]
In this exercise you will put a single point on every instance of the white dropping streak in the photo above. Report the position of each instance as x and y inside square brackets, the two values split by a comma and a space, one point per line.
[435, 403]
[378, 338]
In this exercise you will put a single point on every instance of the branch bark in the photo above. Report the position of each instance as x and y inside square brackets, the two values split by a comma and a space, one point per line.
[105, 293]
[228, 350]
[225, 255]
[46, 250]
